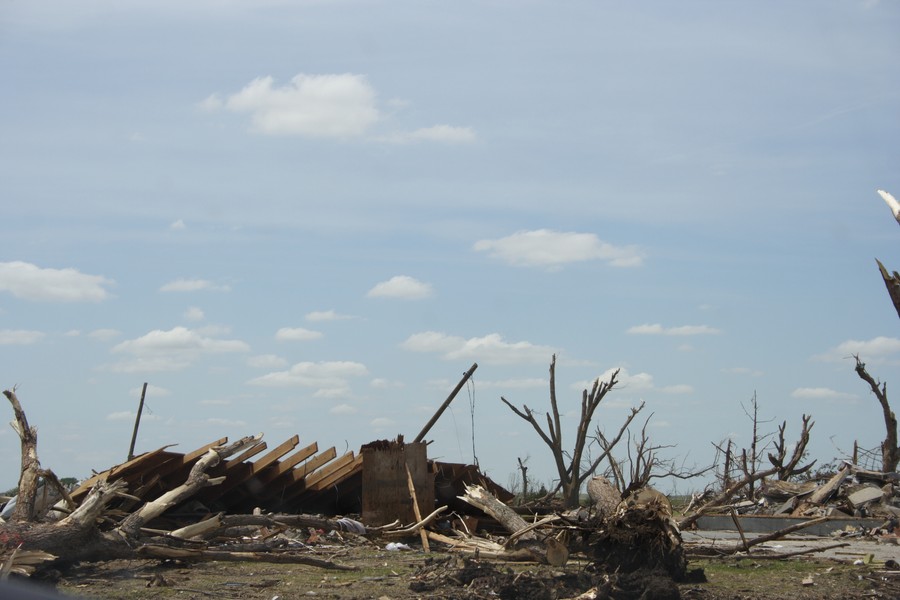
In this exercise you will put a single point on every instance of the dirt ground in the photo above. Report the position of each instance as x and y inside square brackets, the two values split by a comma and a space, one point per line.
[380, 574]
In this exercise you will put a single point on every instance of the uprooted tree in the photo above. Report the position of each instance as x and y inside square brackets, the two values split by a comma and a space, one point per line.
[574, 467]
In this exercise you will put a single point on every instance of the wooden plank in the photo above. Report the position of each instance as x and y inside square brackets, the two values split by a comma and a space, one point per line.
[192, 456]
[325, 471]
[133, 468]
[338, 474]
[275, 454]
[312, 464]
[247, 454]
[285, 466]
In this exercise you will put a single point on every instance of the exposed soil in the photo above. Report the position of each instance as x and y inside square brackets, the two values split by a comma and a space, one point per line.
[404, 575]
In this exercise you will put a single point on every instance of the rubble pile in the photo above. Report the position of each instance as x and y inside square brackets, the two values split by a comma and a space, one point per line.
[850, 492]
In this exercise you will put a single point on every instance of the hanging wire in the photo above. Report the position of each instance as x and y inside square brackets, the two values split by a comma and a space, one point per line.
[470, 387]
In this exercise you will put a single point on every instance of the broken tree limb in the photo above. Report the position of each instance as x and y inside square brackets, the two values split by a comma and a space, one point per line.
[747, 544]
[826, 490]
[479, 497]
[157, 551]
[197, 480]
[412, 529]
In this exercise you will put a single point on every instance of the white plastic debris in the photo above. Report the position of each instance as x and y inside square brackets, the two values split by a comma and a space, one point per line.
[394, 546]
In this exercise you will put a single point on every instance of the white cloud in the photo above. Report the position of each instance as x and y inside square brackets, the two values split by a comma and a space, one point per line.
[343, 409]
[552, 249]
[820, 393]
[19, 337]
[657, 329]
[296, 334]
[193, 285]
[171, 350]
[104, 335]
[640, 382]
[382, 422]
[402, 287]
[266, 361]
[194, 314]
[177, 225]
[332, 375]
[492, 348]
[876, 350]
[338, 106]
[30, 282]
[437, 133]
[326, 315]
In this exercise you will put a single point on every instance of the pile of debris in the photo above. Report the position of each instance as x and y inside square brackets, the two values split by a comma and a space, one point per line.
[851, 492]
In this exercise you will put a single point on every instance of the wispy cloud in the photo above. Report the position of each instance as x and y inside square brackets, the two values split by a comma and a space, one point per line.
[342, 106]
[491, 348]
[323, 106]
[19, 337]
[657, 329]
[553, 249]
[876, 350]
[326, 315]
[330, 379]
[170, 350]
[437, 133]
[402, 287]
[820, 393]
[30, 282]
[193, 285]
[194, 314]
[296, 334]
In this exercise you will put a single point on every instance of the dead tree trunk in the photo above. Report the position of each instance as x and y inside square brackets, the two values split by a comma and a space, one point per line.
[890, 453]
[572, 472]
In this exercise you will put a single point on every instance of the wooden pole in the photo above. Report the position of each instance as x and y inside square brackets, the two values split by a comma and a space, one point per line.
[446, 403]
[416, 511]
[137, 422]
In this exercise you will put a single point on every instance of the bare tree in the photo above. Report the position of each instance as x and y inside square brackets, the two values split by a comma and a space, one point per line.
[782, 467]
[890, 453]
[574, 467]
[642, 463]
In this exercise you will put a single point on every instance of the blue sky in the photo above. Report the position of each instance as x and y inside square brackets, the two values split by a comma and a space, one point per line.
[313, 217]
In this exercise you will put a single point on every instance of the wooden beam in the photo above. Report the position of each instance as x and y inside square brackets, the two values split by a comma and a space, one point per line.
[338, 474]
[307, 468]
[247, 454]
[275, 454]
[289, 463]
[316, 478]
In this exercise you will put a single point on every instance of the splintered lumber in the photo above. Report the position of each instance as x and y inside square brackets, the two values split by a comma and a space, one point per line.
[478, 497]
[246, 455]
[197, 480]
[827, 489]
[416, 511]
